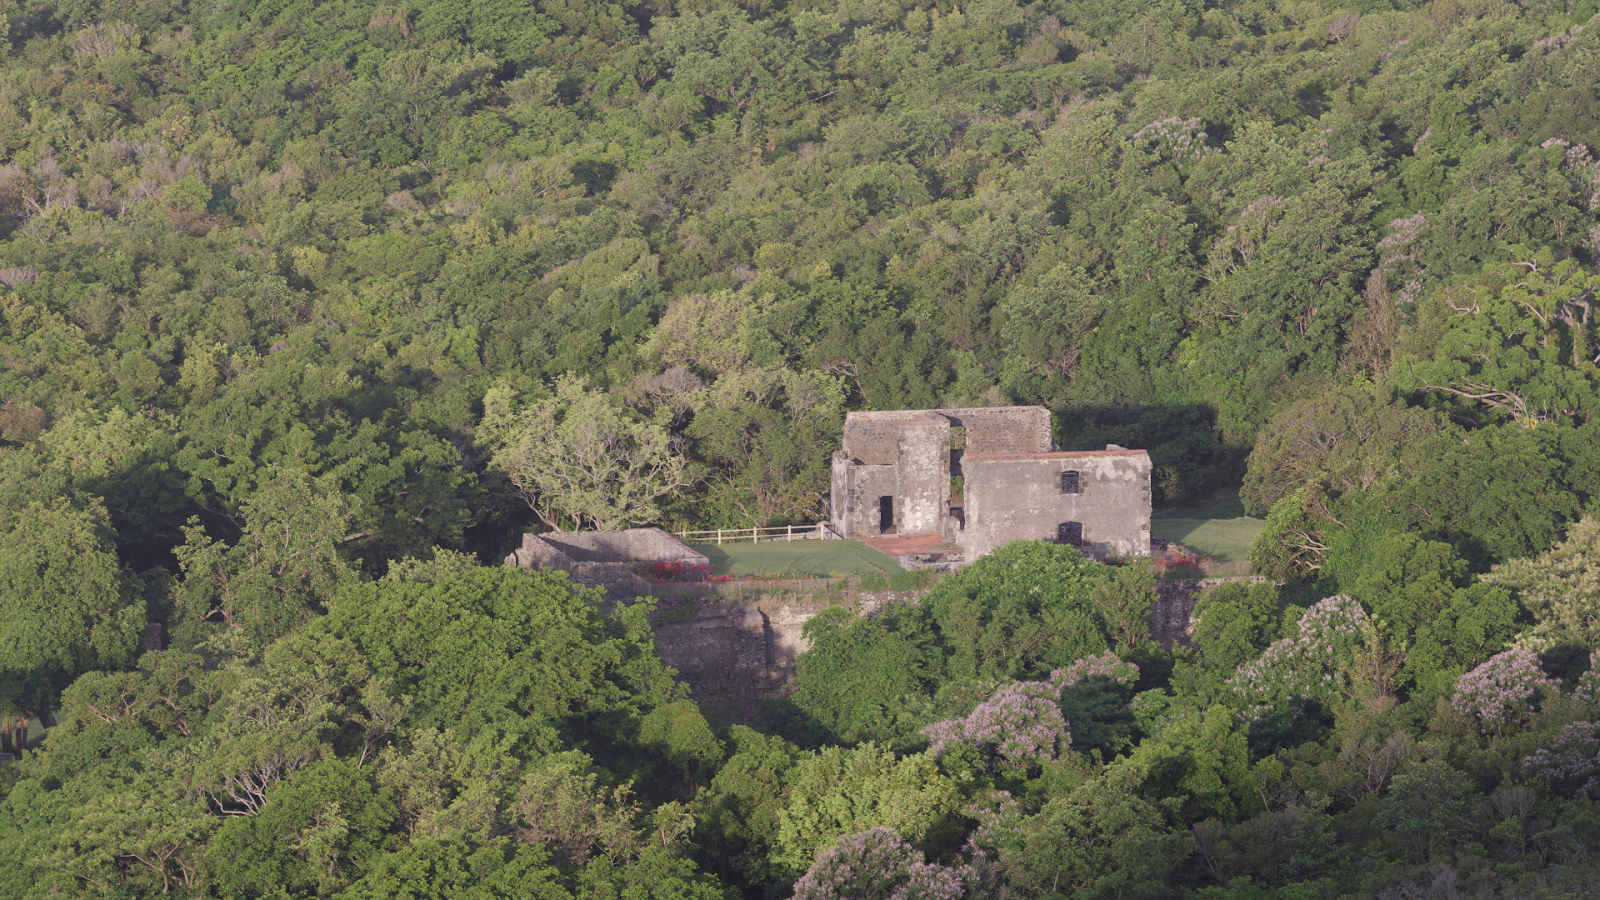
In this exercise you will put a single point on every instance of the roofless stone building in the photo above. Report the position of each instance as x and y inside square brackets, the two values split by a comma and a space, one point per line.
[893, 478]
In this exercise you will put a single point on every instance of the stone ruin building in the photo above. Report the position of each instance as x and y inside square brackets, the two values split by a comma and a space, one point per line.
[893, 479]
[603, 558]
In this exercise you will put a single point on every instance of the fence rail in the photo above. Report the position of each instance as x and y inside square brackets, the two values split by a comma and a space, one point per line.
[717, 536]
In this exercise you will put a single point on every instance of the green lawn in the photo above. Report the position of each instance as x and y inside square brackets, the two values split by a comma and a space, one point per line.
[1219, 529]
[798, 559]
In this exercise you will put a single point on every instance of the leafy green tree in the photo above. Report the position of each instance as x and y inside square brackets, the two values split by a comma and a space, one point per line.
[1018, 612]
[576, 458]
[1343, 440]
[1419, 593]
[1102, 839]
[283, 569]
[837, 792]
[1520, 342]
[679, 734]
[500, 868]
[1558, 588]
[505, 652]
[737, 814]
[66, 606]
[323, 828]
[858, 673]
[1428, 807]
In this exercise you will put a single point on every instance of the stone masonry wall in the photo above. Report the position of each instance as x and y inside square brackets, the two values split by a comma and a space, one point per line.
[747, 652]
[873, 441]
[924, 478]
[1018, 497]
[631, 545]
[905, 454]
[1004, 429]
[1171, 616]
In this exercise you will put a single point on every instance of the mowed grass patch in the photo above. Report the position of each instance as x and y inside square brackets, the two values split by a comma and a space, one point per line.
[1219, 529]
[798, 559]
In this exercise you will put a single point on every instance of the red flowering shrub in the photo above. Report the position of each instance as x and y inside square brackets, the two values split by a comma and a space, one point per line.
[675, 571]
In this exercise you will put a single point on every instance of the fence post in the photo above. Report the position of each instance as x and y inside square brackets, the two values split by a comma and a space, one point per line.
[754, 538]
[719, 537]
[791, 533]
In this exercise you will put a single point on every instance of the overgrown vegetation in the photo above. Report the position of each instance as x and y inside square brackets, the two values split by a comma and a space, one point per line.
[306, 308]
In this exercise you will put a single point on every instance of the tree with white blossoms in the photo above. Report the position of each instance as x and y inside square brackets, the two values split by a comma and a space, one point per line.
[579, 461]
[1312, 665]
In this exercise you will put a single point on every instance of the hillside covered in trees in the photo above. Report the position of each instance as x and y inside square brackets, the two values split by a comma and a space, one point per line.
[309, 308]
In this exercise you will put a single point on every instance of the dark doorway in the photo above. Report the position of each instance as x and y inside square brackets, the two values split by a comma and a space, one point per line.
[885, 515]
[1070, 533]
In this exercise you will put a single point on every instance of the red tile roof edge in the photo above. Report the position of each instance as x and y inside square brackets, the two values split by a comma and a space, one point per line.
[1057, 454]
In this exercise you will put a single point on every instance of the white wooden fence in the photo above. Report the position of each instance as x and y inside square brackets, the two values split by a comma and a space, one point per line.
[819, 531]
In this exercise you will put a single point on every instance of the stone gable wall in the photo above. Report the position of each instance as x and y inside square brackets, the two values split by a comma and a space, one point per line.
[1018, 498]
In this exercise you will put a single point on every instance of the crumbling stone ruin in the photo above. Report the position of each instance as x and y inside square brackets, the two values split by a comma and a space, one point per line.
[603, 558]
[893, 478]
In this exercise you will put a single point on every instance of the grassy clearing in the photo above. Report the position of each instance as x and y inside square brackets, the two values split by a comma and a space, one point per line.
[798, 559]
[1219, 529]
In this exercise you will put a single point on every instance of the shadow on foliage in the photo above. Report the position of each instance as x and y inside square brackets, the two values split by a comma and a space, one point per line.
[1190, 459]
[786, 719]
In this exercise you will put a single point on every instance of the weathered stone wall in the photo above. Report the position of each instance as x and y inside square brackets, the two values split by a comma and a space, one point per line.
[631, 545]
[905, 454]
[537, 553]
[617, 578]
[873, 439]
[747, 652]
[924, 478]
[870, 437]
[603, 558]
[856, 490]
[1003, 429]
[1018, 497]
[1172, 613]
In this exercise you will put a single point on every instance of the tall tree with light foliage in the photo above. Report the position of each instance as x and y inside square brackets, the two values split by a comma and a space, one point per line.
[578, 460]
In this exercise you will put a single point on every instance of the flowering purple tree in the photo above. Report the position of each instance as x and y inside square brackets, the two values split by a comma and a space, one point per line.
[1021, 724]
[1575, 756]
[878, 865]
[1588, 689]
[1105, 665]
[1306, 666]
[1501, 691]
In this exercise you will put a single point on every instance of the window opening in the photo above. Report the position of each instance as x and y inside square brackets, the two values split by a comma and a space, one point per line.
[1070, 533]
[1069, 482]
[885, 514]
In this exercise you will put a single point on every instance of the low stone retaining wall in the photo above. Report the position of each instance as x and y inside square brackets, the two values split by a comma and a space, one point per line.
[1173, 608]
[746, 651]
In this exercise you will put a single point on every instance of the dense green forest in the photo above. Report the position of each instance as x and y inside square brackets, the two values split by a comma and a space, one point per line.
[309, 309]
